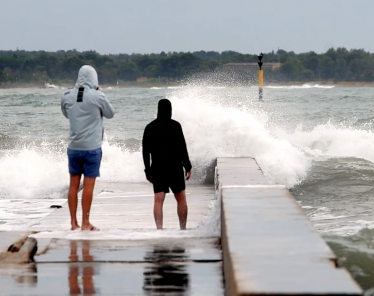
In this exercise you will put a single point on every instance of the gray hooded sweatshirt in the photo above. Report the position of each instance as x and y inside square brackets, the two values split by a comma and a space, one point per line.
[85, 111]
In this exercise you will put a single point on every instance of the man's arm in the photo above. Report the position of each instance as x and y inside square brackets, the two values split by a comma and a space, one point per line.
[63, 108]
[185, 158]
[146, 154]
[106, 108]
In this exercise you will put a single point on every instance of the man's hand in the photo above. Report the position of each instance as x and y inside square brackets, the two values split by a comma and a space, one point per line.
[150, 180]
[188, 175]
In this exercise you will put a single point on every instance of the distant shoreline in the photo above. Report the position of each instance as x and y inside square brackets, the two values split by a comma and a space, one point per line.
[149, 84]
[144, 84]
[327, 83]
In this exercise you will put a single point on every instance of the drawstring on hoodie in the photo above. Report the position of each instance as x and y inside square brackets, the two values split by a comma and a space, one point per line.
[80, 94]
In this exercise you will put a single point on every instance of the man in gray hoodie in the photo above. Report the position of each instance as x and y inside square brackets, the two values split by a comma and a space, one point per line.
[85, 106]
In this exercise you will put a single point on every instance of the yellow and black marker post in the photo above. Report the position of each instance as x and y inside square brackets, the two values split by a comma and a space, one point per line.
[260, 77]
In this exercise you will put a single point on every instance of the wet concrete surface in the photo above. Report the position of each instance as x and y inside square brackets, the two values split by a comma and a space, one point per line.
[239, 171]
[128, 256]
[118, 206]
[174, 278]
[197, 250]
[269, 245]
[176, 267]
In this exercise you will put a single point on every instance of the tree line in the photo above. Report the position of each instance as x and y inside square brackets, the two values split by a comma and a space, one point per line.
[338, 64]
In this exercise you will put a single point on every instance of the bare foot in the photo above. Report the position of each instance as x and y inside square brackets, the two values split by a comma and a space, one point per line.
[74, 227]
[90, 228]
[73, 258]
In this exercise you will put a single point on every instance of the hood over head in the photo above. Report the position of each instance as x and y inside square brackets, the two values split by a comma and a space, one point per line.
[87, 77]
[164, 109]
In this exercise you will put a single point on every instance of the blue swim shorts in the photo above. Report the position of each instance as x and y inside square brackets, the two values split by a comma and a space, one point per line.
[86, 162]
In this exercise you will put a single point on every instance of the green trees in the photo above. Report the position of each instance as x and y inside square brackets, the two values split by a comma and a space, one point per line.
[291, 69]
[310, 61]
[337, 64]
[128, 71]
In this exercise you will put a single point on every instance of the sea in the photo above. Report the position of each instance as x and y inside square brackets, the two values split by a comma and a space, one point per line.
[317, 140]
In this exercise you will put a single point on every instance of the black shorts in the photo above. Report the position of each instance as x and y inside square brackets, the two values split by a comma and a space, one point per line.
[173, 180]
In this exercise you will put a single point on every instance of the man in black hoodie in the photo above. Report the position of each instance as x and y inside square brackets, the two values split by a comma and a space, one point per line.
[164, 141]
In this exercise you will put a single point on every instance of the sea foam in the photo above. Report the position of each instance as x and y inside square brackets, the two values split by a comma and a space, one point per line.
[213, 127]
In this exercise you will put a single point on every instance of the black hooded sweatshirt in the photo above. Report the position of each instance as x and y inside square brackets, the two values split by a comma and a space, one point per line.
[164, 141]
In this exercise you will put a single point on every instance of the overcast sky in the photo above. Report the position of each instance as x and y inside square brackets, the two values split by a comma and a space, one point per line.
[147, 26]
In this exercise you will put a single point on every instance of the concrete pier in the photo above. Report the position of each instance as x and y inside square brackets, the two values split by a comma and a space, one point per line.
[124, 207]
[128, 256]
[269, 246]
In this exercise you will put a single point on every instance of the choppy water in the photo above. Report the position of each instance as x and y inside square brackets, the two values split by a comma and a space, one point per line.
[318, 141]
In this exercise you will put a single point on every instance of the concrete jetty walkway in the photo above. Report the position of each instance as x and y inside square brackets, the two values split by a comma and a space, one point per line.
[128, 256]
[269, 245]
[119, 206]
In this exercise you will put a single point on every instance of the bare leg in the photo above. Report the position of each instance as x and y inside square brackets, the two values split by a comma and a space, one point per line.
[157, 209]
[73, 199]
[182, 208]
[88, 187]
